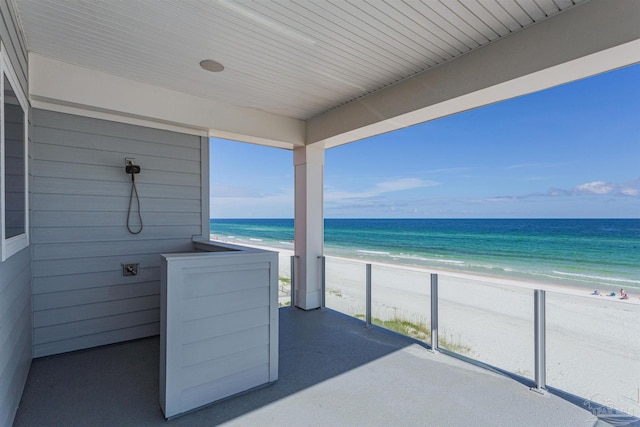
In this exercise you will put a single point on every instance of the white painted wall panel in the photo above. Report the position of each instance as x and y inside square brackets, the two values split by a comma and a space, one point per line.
[215, 369]
[79, 209]
[198, 396]
[227, 303]
[213, 348]
[219, 327]
[229, 323]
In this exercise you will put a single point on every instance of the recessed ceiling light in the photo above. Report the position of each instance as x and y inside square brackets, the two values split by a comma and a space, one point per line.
[211, 65]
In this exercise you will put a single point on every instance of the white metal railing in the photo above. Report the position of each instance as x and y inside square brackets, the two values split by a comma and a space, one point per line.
[434, 312]
[292, 281]
[323, 280]
[538, 322]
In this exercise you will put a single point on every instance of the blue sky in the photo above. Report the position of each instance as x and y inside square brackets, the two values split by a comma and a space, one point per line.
[568, 152]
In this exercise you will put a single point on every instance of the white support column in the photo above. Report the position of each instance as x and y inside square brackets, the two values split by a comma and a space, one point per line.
[308, 162]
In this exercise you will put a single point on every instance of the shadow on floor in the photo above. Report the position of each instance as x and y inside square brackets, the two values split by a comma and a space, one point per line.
[333, 371]
[118, 384]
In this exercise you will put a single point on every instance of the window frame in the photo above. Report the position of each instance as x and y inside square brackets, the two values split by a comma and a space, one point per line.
[13, 245]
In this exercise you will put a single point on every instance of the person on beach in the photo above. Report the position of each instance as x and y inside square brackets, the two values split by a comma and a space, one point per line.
[623, 294]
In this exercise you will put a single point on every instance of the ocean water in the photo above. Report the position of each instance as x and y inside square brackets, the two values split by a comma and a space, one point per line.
[590, 253]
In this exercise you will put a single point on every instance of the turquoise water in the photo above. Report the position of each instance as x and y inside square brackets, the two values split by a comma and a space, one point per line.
[591, 253]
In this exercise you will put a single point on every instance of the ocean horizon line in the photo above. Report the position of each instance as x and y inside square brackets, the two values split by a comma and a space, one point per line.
[428, 218]
[587, 252]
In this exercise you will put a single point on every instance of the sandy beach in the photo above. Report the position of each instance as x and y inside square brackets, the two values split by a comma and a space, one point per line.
[593, 341]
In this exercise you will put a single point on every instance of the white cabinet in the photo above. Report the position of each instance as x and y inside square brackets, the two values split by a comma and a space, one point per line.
[219, 325]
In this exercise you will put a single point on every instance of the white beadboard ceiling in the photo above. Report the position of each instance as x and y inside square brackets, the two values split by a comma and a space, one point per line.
[296, 58]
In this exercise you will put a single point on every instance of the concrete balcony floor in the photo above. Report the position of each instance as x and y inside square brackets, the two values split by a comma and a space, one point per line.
[334, 371]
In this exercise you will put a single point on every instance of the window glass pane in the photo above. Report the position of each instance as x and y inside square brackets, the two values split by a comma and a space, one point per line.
[14, 173]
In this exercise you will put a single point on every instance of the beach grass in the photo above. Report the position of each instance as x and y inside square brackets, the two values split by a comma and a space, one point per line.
[419, 332]
[335, 292]
[284, 284]
[284, 280]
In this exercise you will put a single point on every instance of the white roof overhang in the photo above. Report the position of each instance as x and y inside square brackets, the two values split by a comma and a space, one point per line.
[590, 39]
[65, 87]
[312, 72]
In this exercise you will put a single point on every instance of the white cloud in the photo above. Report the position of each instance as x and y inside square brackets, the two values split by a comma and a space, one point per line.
[536, 165]
[499, 199]
[380, 188]
[260, 206]
[602, 188]
[448, 171]
[595, 187]
[232, 191]
[631, 188]
[629, 191]
[402, 184]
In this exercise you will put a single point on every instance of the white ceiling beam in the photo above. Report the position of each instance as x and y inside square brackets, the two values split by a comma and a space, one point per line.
[589, 39]
[65, 87]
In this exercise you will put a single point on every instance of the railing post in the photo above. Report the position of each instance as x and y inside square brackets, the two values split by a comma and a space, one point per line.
[434, 312]
[323, 283]
[539, 337]
[368, 313]
[293, 280]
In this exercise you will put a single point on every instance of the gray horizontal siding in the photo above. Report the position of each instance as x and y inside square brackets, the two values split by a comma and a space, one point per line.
[15, 272]
[93, 279]
[68, 267]
[14, 42]
[113, 203]
[64, 168]
[97, 339]
[102, 131]
[50, 185]
[105, 248]
[111, 219]
[166, 158]
[91, 310]
[70, 330]
[53, 235]
[79, 202]
[15, 331]
[56, 300]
